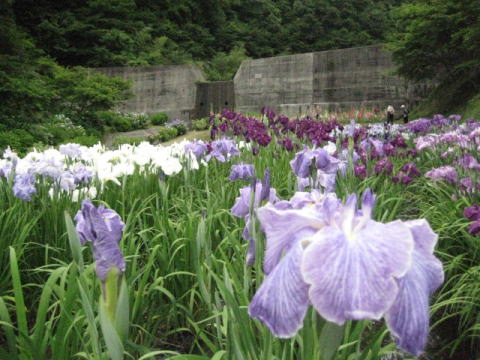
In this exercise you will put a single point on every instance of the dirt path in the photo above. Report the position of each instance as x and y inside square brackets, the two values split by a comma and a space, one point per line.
[144, 133]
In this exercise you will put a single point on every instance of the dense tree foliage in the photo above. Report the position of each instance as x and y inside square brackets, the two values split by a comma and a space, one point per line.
[129, 32]
[440, 40]
[437, 38]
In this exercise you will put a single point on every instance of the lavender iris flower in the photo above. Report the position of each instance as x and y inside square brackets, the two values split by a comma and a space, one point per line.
[24, 186]
[197, 147]
[241, 209]
[447, 173]
[303, 161]
[82, 175]
[391, 268]
[223, 150]
[71, 150]
[103, 229]
[6, 168]
[242, 172]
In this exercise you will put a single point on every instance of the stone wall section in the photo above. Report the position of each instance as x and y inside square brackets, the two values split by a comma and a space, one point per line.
[292, 85]
[164, 88]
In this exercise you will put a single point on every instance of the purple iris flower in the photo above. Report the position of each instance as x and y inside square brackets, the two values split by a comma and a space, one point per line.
[360, 171]
[103, 229]
[411, 169]
[447, 173]
[66, 181]
[24, 186]
[223, 150]
[6, 169]
[242, 172]
[241, 209]
[469, 162]
[391, 269]
[384, 165]
[373, 146]
[197, 147]
[321, 181]
[287, 143]
[305, 159]
[71, 150]
[425, 142]
[472, 212]
[82, 175]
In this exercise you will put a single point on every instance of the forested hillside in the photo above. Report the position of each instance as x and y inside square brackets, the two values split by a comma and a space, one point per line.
[129, 32]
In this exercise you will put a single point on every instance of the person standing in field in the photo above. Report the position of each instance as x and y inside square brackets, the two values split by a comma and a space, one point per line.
[390, 113]
[405, 113]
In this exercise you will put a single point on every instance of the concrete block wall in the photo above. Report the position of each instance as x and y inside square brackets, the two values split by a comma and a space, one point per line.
[335, 79]
[292, 85]
[164, 88]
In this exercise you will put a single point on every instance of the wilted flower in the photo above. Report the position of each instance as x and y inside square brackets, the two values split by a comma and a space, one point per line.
[103, 229]
[390, 266]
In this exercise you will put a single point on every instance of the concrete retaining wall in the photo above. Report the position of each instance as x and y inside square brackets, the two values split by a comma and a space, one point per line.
[165, 88]
[213, 96]
[292, 85]
[335, 79]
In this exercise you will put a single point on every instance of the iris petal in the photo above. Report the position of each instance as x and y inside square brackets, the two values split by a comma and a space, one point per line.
[281, 302]
[352, 275]
[282, 228]
[408, 317]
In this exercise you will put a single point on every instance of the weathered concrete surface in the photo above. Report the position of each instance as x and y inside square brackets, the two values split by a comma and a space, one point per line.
[346, 78]
[164, 88]
[213, 96]
[282, 82]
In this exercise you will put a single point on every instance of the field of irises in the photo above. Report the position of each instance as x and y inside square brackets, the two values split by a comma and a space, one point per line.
[279, 239]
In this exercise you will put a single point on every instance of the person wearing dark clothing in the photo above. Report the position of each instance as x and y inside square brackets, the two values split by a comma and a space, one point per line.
[390, 112]
[405, 113]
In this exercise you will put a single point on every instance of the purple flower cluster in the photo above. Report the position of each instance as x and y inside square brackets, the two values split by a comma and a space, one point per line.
[473, 213]
[390, 266]
[446, 173]
[406, 174]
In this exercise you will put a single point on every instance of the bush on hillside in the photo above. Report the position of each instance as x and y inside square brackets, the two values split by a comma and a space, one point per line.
[181, 129]
[166, 134]
[158, 118]
[201, 124]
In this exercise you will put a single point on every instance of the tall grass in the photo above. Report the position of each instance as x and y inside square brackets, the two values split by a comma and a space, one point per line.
[189, 286]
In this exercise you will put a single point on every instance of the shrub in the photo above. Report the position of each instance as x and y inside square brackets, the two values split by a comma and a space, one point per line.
[139, 121]
[158, 118]
[166, 134]
[106, 118]
[201, 124]
[122, 124]
[181, 129]
[18, 139]
[132, 140]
